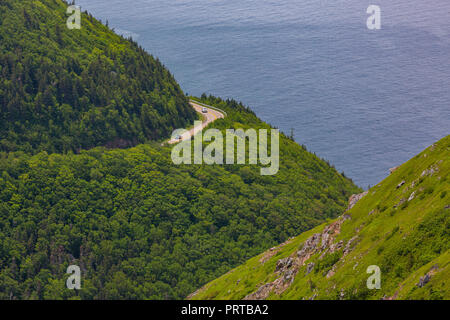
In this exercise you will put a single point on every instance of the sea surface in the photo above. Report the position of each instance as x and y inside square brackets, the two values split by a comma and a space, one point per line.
[366, 100]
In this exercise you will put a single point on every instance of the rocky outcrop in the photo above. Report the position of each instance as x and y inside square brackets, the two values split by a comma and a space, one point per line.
[401, 184]
[392, 170]
[354, 199]
[424, 280]
[350, 244]
[430, 171]
[322, 243]
[284, 264]
[427, 277]
[262, 292]
[310, 267]
[287, 268]
[402, 201]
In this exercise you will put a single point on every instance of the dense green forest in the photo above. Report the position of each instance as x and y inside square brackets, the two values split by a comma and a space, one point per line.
[141, 227]
[65, 90]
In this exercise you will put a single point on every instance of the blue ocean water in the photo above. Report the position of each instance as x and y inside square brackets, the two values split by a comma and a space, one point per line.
[366, 100]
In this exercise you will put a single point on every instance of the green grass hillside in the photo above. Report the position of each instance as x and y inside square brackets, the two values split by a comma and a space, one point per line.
[141, 227]
[64, 90]
[402, 225]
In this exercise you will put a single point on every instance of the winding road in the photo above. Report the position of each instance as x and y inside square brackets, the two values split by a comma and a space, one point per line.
[209, 117]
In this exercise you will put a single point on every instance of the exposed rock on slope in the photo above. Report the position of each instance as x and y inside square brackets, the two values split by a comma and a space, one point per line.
[319, 243]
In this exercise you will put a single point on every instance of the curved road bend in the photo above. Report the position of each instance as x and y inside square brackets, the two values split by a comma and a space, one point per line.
[211, 116]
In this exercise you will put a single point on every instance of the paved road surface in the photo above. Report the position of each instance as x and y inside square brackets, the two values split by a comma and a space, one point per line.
[211, 116]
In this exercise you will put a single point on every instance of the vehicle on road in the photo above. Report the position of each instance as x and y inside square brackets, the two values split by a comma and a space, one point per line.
[204, 110]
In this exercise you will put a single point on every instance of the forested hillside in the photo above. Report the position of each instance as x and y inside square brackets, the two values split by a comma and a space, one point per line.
[141, 227]
[66, 90]
[401, 226]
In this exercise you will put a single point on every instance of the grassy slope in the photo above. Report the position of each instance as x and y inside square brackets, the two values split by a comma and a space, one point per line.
[404, 240]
